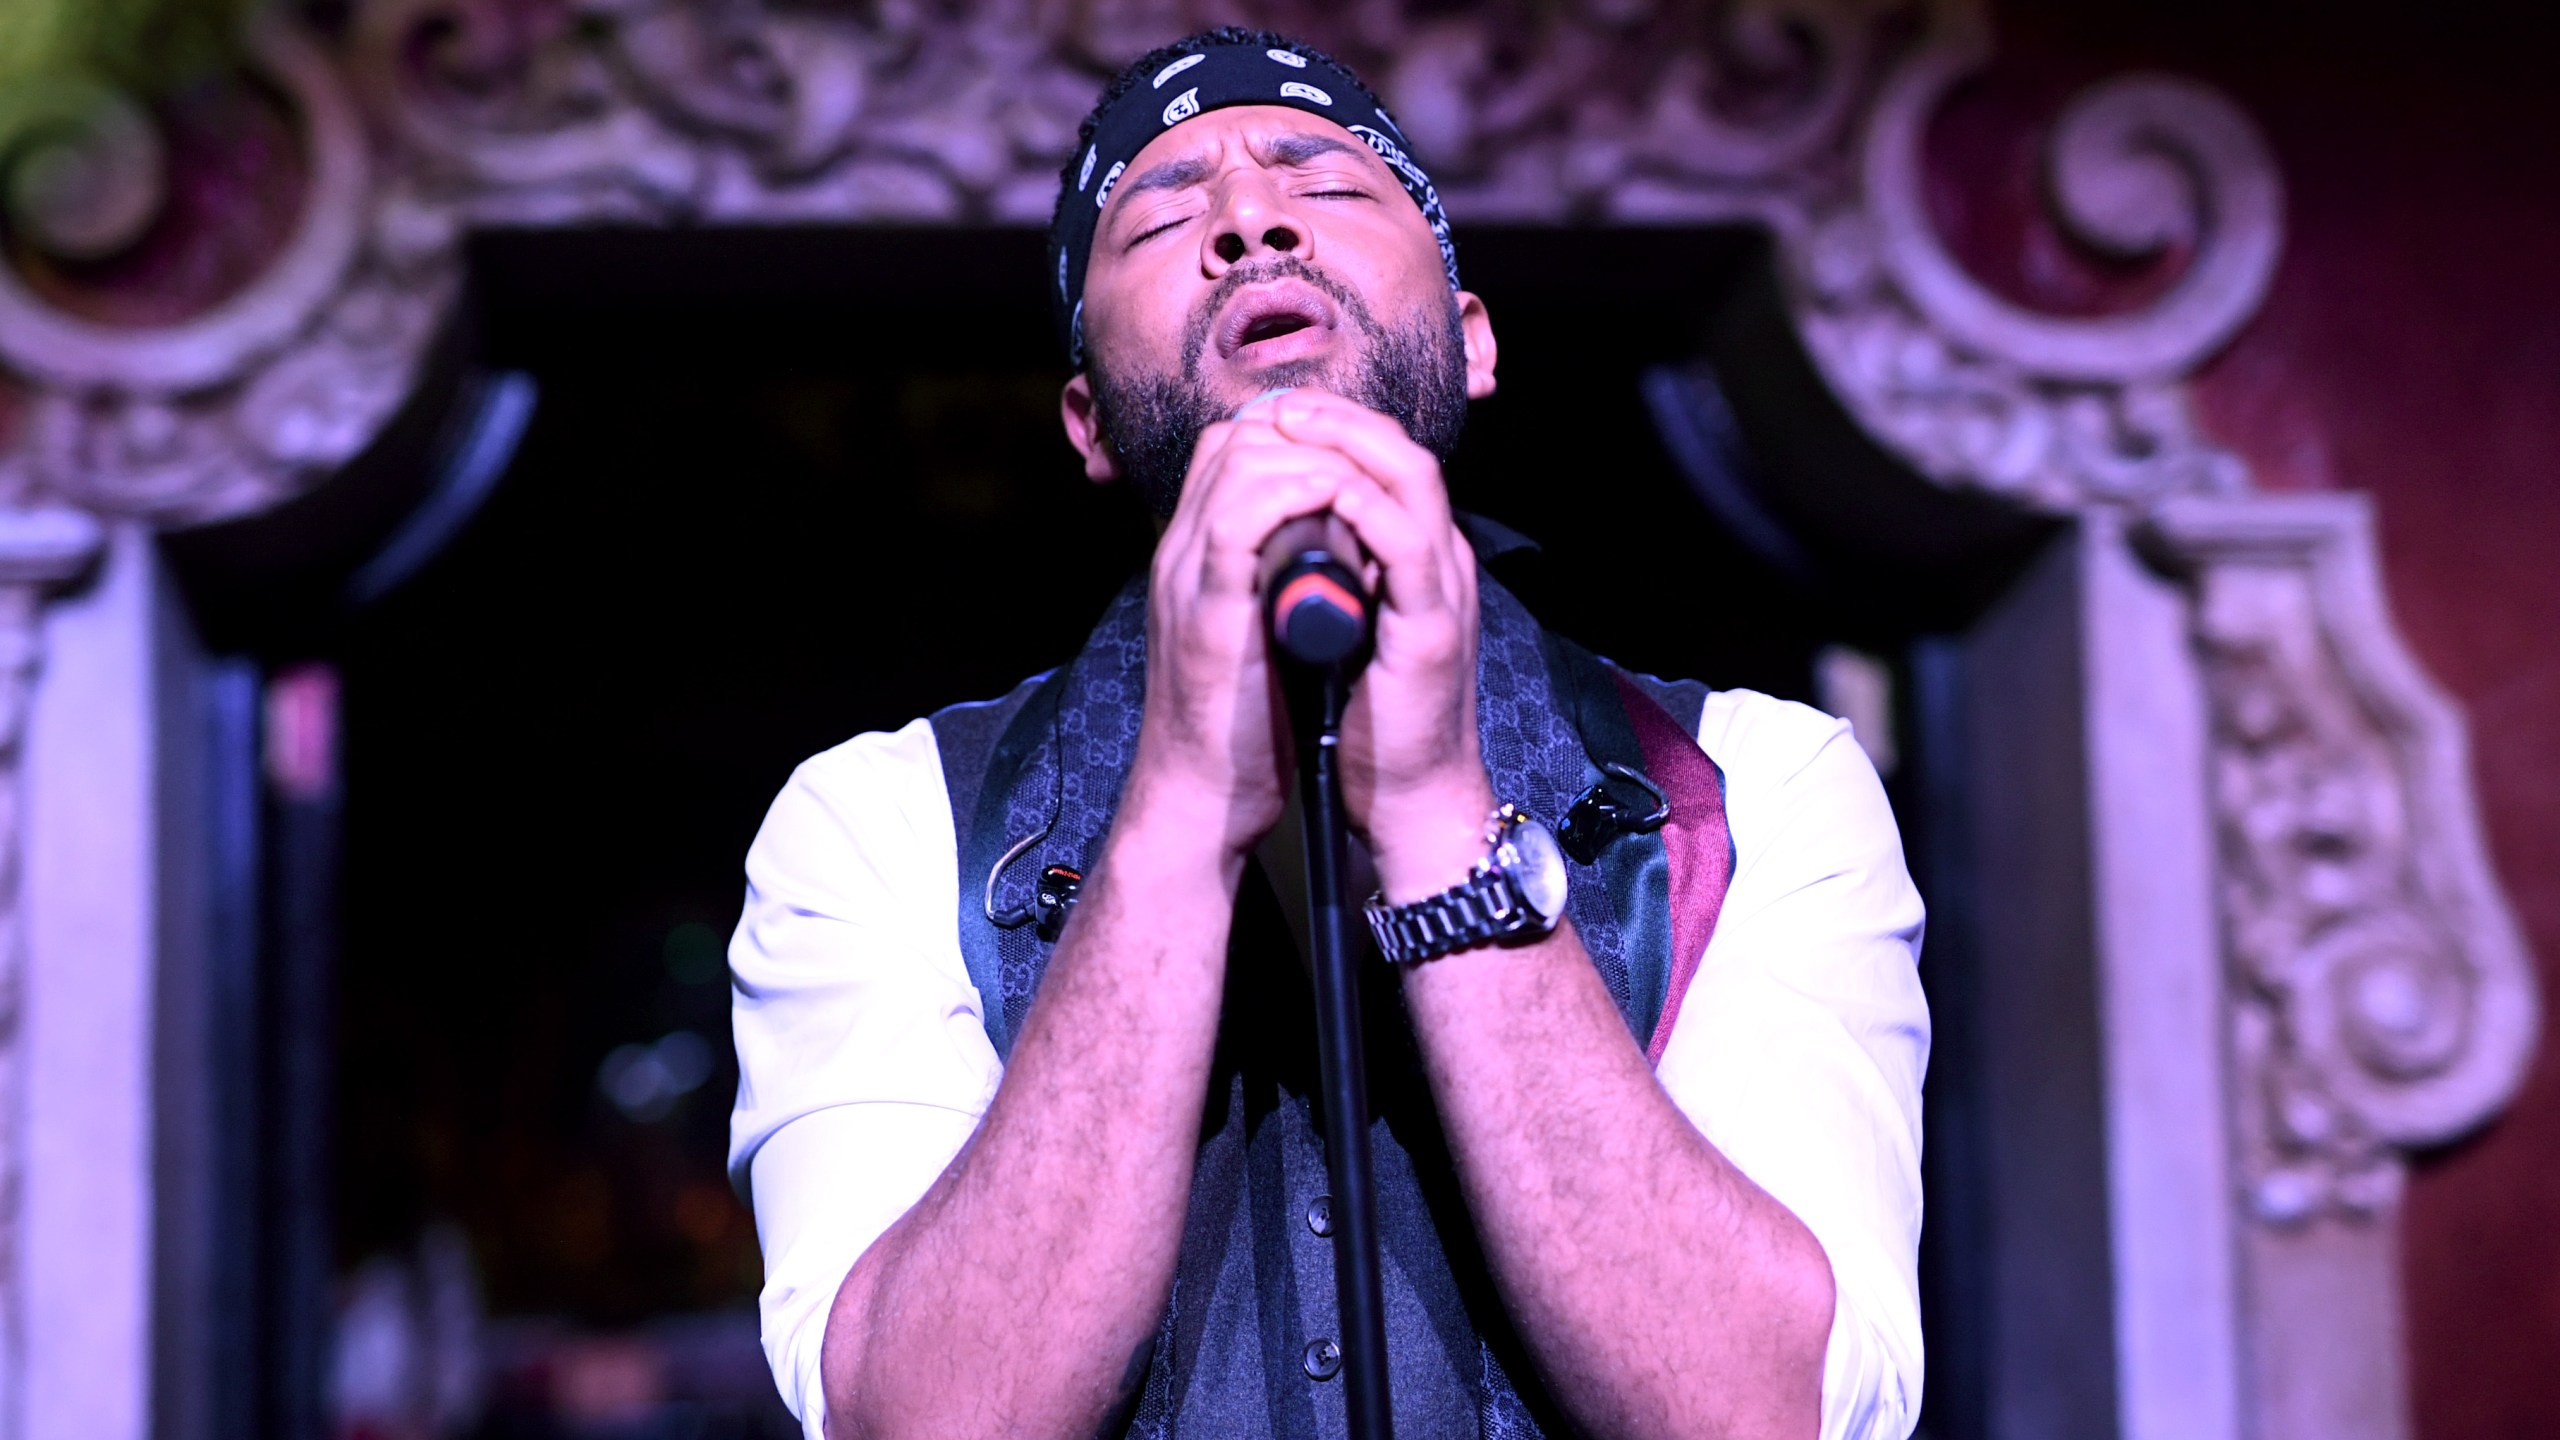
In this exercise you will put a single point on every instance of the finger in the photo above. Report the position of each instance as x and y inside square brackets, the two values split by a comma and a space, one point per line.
[1374, 442]
[1258, 401]
[1221, 440]
[1220, 437]
[1439, 553]
[1260, 493]
[1205, 452]
[1414, 567]
[1203, 480]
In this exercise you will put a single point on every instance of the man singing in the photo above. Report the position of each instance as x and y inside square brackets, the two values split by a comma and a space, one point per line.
[1030, 1158]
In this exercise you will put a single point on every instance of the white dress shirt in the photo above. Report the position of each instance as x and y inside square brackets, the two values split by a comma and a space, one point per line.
[864, 1061]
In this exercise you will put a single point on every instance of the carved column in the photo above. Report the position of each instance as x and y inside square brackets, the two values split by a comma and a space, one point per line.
[40, 551]
[2381, 996]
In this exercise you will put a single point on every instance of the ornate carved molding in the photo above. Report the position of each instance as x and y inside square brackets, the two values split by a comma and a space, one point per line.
[1802, 117]
[2383, 996]
[264, 394]
[1976, 390]
[72, 353]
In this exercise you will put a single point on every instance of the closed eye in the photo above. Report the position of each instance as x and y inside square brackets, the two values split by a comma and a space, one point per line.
[1152, 232]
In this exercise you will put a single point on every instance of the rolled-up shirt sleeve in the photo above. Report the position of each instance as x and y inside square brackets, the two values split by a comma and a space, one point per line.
[1801, 1044]
[863, 1057]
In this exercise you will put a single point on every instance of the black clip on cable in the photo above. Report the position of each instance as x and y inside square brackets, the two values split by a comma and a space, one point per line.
[1598, 817]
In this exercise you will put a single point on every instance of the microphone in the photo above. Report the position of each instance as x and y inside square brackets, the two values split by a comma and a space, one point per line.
[1313, 597]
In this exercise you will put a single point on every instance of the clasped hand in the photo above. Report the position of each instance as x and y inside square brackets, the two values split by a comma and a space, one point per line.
[1215, 735]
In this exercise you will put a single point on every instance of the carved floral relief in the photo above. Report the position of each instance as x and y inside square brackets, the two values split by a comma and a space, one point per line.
[2381, 993]
[428, 118]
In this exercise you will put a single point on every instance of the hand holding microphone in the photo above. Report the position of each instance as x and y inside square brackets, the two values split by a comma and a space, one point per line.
[1315, 595]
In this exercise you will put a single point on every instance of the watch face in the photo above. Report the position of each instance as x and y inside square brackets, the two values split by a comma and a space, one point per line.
[1541, 871]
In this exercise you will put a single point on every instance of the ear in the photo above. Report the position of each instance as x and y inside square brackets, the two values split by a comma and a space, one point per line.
[1477, 327]
[1082, 415]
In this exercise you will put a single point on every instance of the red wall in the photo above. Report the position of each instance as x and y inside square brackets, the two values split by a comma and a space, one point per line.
[2411, 350]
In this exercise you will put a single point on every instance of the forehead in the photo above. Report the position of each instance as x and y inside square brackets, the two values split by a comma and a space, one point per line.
[1250, 132]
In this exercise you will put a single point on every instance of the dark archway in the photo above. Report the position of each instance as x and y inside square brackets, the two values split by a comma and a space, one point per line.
[785, 486]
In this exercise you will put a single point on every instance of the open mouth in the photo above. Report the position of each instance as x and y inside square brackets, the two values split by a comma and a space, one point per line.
[1272, 327]
[1268, 321]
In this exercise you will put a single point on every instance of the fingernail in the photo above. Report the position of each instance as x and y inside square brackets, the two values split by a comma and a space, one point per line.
[1273, 394]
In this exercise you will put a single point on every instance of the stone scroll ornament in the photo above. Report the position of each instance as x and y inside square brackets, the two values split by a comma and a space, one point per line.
[422, 120]
[2380, 998]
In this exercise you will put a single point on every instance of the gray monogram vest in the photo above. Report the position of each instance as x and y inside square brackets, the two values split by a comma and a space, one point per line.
[1034, 778]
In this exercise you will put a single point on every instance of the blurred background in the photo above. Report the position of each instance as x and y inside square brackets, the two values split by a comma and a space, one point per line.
[649, 420]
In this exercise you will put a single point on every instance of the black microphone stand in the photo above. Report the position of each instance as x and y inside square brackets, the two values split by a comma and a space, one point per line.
[1341, 1058]
[1320, 612]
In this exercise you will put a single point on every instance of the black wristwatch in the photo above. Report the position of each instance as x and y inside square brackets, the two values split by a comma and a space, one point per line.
[1514, 893]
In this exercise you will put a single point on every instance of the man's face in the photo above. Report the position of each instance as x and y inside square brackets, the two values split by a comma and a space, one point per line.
[1252, 248]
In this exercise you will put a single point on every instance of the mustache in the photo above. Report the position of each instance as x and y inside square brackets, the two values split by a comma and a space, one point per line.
[1204, 317]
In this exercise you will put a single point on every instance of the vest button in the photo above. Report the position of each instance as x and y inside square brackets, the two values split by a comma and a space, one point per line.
[1323, 1360]
[1320, 1215]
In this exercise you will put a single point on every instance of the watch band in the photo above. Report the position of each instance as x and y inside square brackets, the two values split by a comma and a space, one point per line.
[1486, 907]
[1478, 910]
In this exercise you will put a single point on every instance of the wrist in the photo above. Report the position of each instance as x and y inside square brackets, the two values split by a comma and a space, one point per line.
[1424, 842]
[1163, 868]
[1177, 826]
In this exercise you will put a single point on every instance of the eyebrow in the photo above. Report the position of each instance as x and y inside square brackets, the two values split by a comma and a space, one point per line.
[1171, 175]
[1299, 147]
[1293, 149]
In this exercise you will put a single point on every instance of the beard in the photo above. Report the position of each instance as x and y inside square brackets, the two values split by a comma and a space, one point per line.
[1415, 373]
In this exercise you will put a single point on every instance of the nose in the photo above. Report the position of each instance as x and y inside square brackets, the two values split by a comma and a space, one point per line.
[1253, 221]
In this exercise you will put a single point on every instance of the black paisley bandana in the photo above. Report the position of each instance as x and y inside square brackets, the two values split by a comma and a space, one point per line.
[1212, 79]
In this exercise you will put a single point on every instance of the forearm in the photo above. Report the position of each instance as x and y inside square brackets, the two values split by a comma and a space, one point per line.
[1661, 1291]
[1013, 1297]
